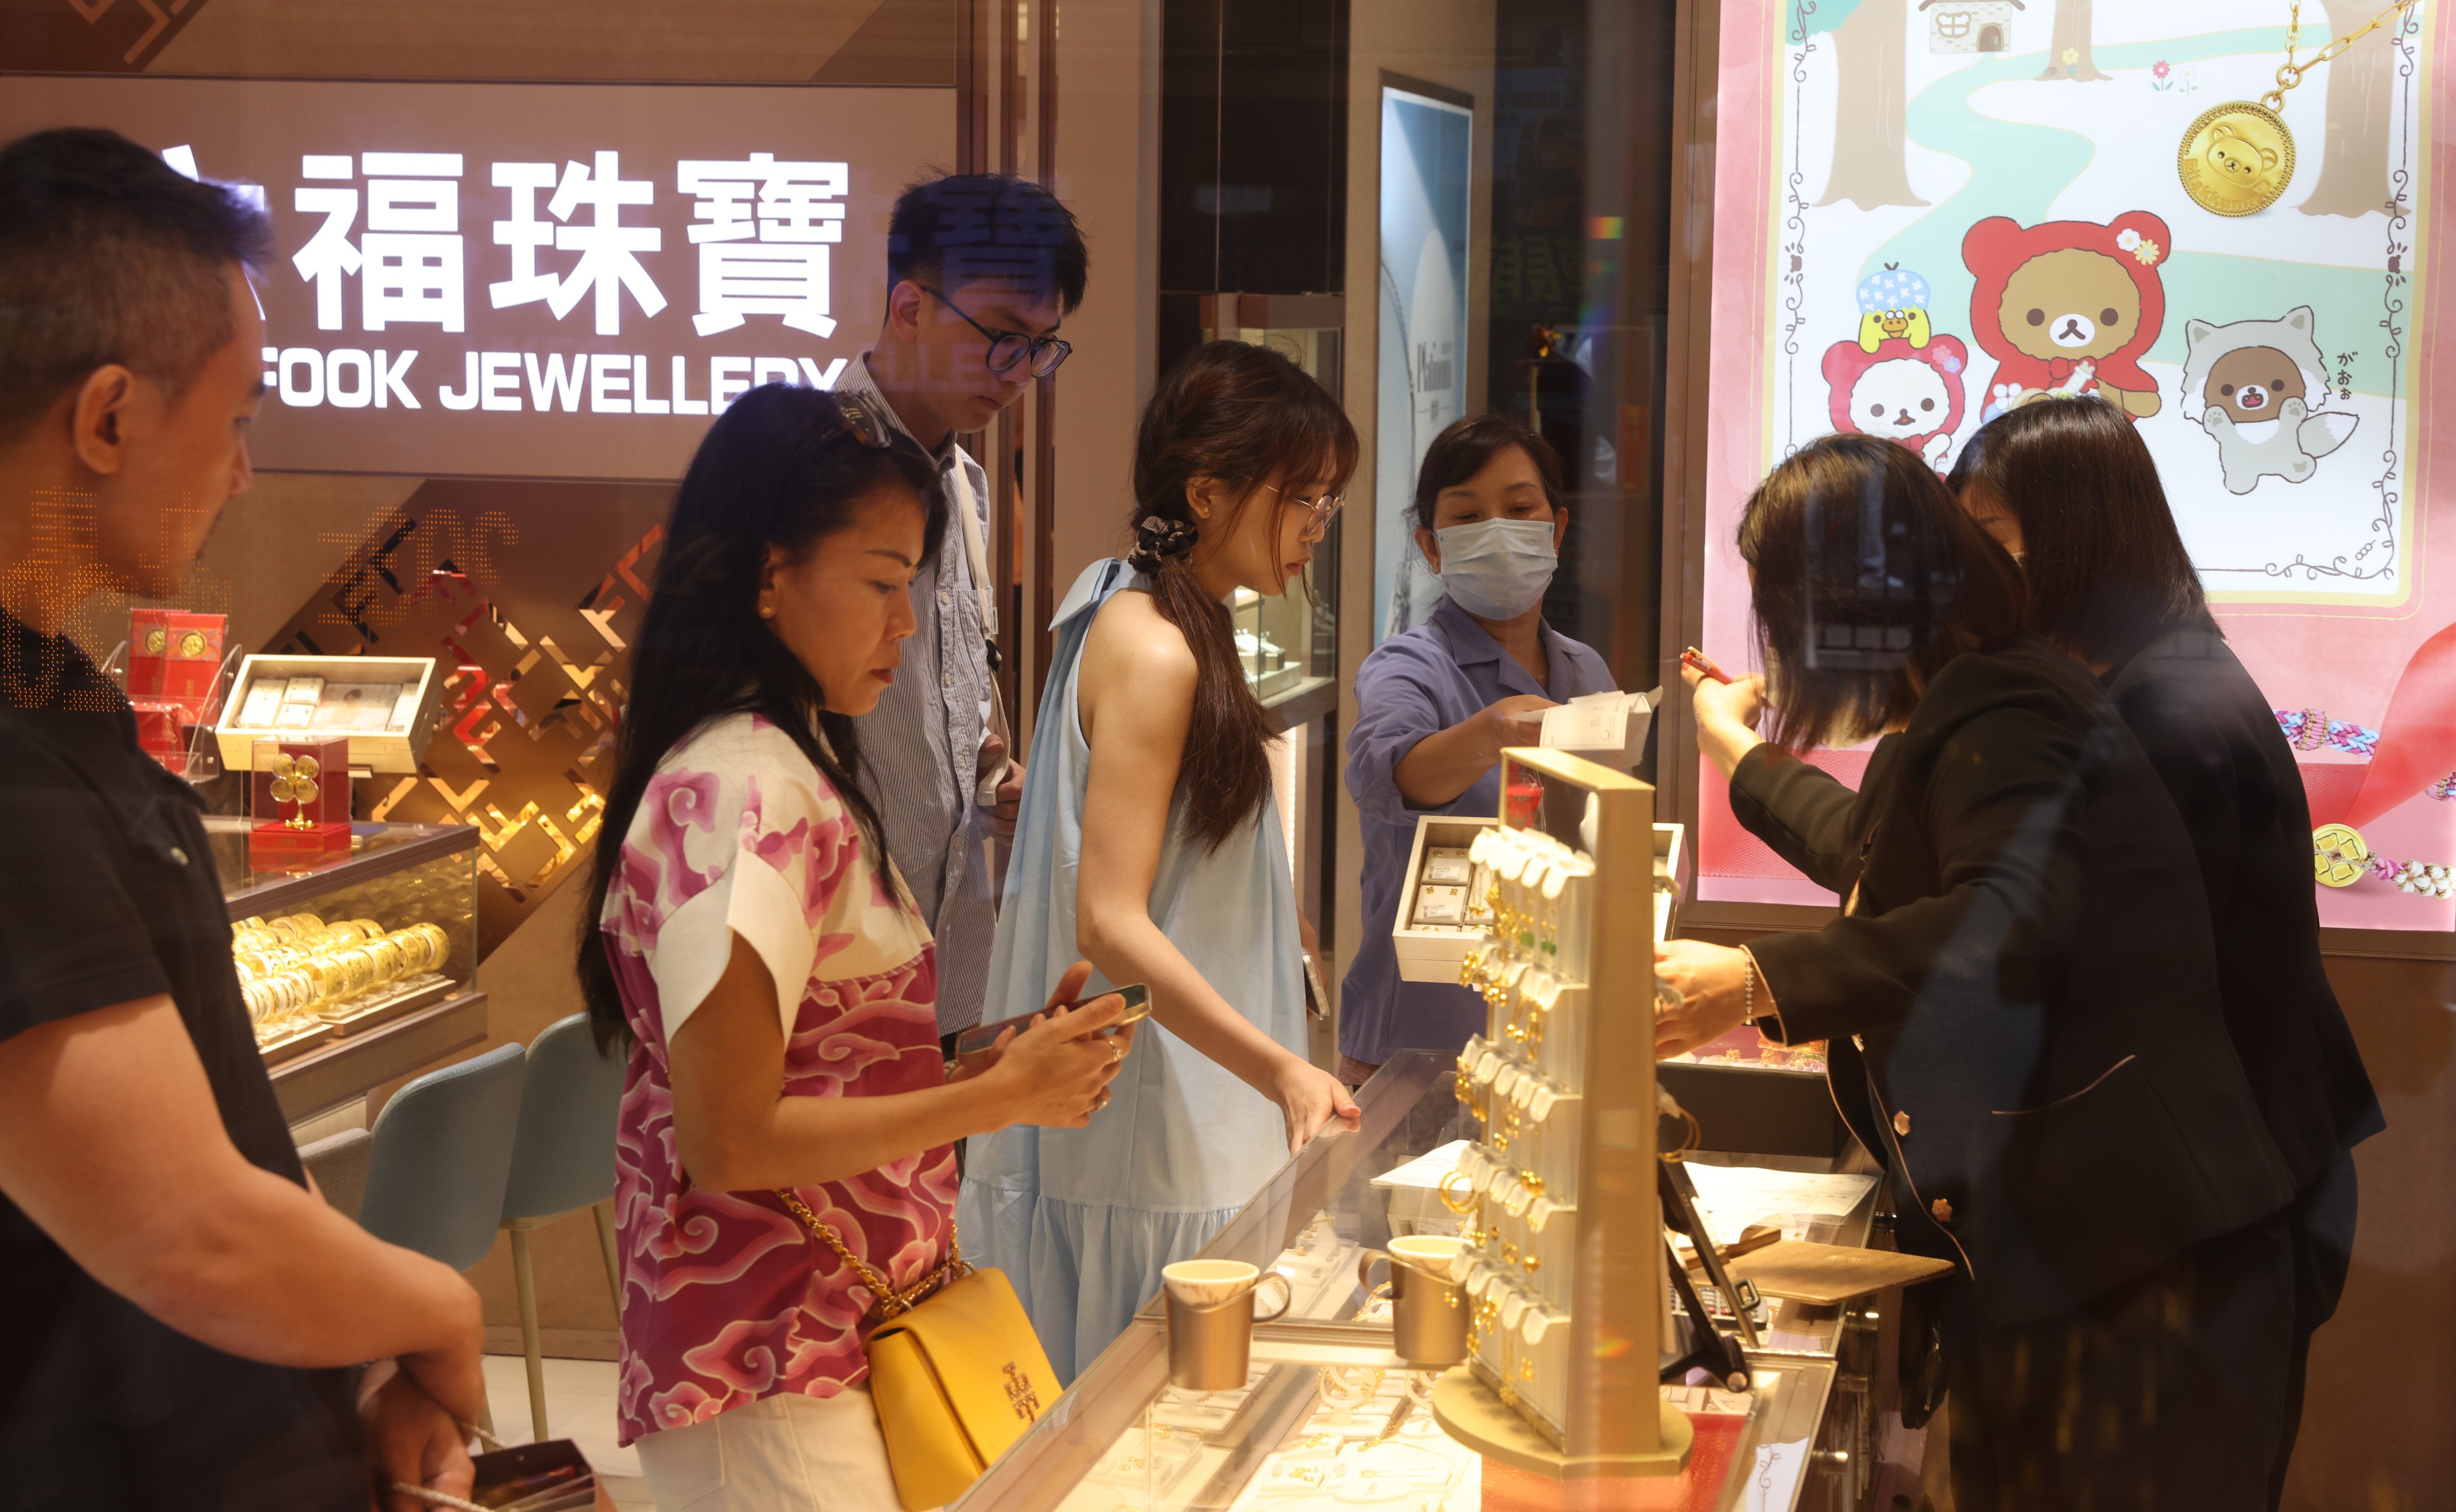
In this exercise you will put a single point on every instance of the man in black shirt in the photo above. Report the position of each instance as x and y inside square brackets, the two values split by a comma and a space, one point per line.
[179, 1306]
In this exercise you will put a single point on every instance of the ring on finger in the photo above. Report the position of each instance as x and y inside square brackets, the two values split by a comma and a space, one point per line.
[1116, 1053]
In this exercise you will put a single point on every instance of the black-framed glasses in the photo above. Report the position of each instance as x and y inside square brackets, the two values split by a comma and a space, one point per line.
[1320, 511]
[1006, 348]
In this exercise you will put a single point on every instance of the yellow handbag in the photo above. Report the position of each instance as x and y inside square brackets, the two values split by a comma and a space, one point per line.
[955, 1371]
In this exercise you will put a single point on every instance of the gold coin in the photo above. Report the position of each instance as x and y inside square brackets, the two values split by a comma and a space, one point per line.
[2237, 159]
[191, 645]
[2338, 855]
[156, 639]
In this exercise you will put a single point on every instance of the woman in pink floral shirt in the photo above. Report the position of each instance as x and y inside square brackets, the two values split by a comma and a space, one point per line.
[775, 980]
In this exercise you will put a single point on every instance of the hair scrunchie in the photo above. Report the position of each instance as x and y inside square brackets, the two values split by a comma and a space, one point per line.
[1159, 541]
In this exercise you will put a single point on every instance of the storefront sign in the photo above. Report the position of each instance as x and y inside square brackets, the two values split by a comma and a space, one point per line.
[536, 280]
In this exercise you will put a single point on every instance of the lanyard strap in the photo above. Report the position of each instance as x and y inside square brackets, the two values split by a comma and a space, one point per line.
[975, 548]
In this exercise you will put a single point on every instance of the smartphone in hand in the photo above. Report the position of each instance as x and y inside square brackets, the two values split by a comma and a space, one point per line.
[975, 1043]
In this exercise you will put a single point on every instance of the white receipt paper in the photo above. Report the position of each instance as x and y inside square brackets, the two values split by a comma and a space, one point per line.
[1732, 1198]
[1773, 1481]
[1609, 727]
[1426, 1170]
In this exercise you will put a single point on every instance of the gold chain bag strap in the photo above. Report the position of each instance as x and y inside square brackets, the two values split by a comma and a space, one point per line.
[955, 1370]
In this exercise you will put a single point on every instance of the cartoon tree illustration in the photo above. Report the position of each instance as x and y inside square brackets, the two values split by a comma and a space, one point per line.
[1871, 47]
[2068, 43]
[2362, 82]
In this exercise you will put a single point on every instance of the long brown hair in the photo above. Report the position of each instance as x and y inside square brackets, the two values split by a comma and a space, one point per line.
[1243, 415]
[2106, 567]
[1866, 578]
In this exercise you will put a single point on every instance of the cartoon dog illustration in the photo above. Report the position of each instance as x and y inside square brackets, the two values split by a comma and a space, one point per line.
[2068, 307]
[1893, 303]
[2249, 384]
[1899, 391]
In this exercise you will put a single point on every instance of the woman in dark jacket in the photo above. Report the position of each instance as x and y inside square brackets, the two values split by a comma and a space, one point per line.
[2069, 489]
[2020, 1000]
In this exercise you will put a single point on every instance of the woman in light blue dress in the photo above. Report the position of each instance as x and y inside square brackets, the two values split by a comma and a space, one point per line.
[1149, 843]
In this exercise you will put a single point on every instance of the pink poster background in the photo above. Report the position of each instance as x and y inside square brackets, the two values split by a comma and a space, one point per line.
[2343, 658]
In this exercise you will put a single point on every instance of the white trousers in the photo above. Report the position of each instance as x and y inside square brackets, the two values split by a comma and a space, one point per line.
[780, 1454]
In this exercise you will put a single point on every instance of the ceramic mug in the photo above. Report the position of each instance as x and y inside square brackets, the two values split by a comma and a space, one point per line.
[1427, 1303]
[1211, 1320]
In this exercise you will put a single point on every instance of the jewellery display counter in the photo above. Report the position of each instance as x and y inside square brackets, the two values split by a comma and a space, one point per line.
[1330, 1419]
[360, 968]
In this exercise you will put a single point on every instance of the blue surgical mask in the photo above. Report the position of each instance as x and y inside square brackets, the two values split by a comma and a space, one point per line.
[1497, 569]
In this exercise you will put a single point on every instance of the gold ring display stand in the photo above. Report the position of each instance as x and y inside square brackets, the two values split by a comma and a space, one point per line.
[1565, 1274]
[1468, 1412]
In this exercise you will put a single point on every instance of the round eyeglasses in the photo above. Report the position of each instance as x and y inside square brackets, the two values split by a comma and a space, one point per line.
[1320, 510]
[1006, 348]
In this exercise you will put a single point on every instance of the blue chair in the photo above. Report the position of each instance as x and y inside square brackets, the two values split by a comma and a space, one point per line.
[439, 1155]
[562, 1160]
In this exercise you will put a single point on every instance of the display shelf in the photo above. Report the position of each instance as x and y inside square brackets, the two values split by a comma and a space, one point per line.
[376, 851]
[334, 1073]
[1565, 1268]
[388, 1019]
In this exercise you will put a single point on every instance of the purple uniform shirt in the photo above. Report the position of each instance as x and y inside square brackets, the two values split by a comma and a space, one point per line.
[1413, 686]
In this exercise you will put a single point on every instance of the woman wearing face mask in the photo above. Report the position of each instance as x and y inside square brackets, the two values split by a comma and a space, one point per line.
[1176, 875]
[1436, 704]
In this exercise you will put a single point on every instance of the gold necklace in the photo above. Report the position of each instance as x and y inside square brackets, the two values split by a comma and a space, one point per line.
[2238, 157]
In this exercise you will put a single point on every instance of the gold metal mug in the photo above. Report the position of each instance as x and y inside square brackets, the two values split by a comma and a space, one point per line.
[1211, 1331]
[1429, 1307]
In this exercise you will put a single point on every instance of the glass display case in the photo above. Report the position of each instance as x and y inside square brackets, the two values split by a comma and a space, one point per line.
[360, 968]
[1280, 639]
[1331, 1421]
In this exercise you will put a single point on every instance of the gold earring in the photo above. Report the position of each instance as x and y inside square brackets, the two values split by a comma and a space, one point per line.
[767, 611]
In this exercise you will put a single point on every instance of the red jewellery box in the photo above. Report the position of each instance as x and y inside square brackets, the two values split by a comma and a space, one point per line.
[299, 792]
[148, 645]
[192, 663]
[176, 655]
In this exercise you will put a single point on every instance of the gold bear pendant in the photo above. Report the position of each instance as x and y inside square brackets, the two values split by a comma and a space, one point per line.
[2237, 159]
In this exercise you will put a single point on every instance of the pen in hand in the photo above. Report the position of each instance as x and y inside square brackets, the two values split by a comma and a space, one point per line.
[1698, 661]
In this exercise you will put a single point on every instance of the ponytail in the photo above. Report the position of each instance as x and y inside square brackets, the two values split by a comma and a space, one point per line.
[1244, 415]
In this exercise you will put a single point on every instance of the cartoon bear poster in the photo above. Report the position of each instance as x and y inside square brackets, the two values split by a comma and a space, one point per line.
[1900, 391]
[2036, 216]
[2068, 307]
[1882, 198]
